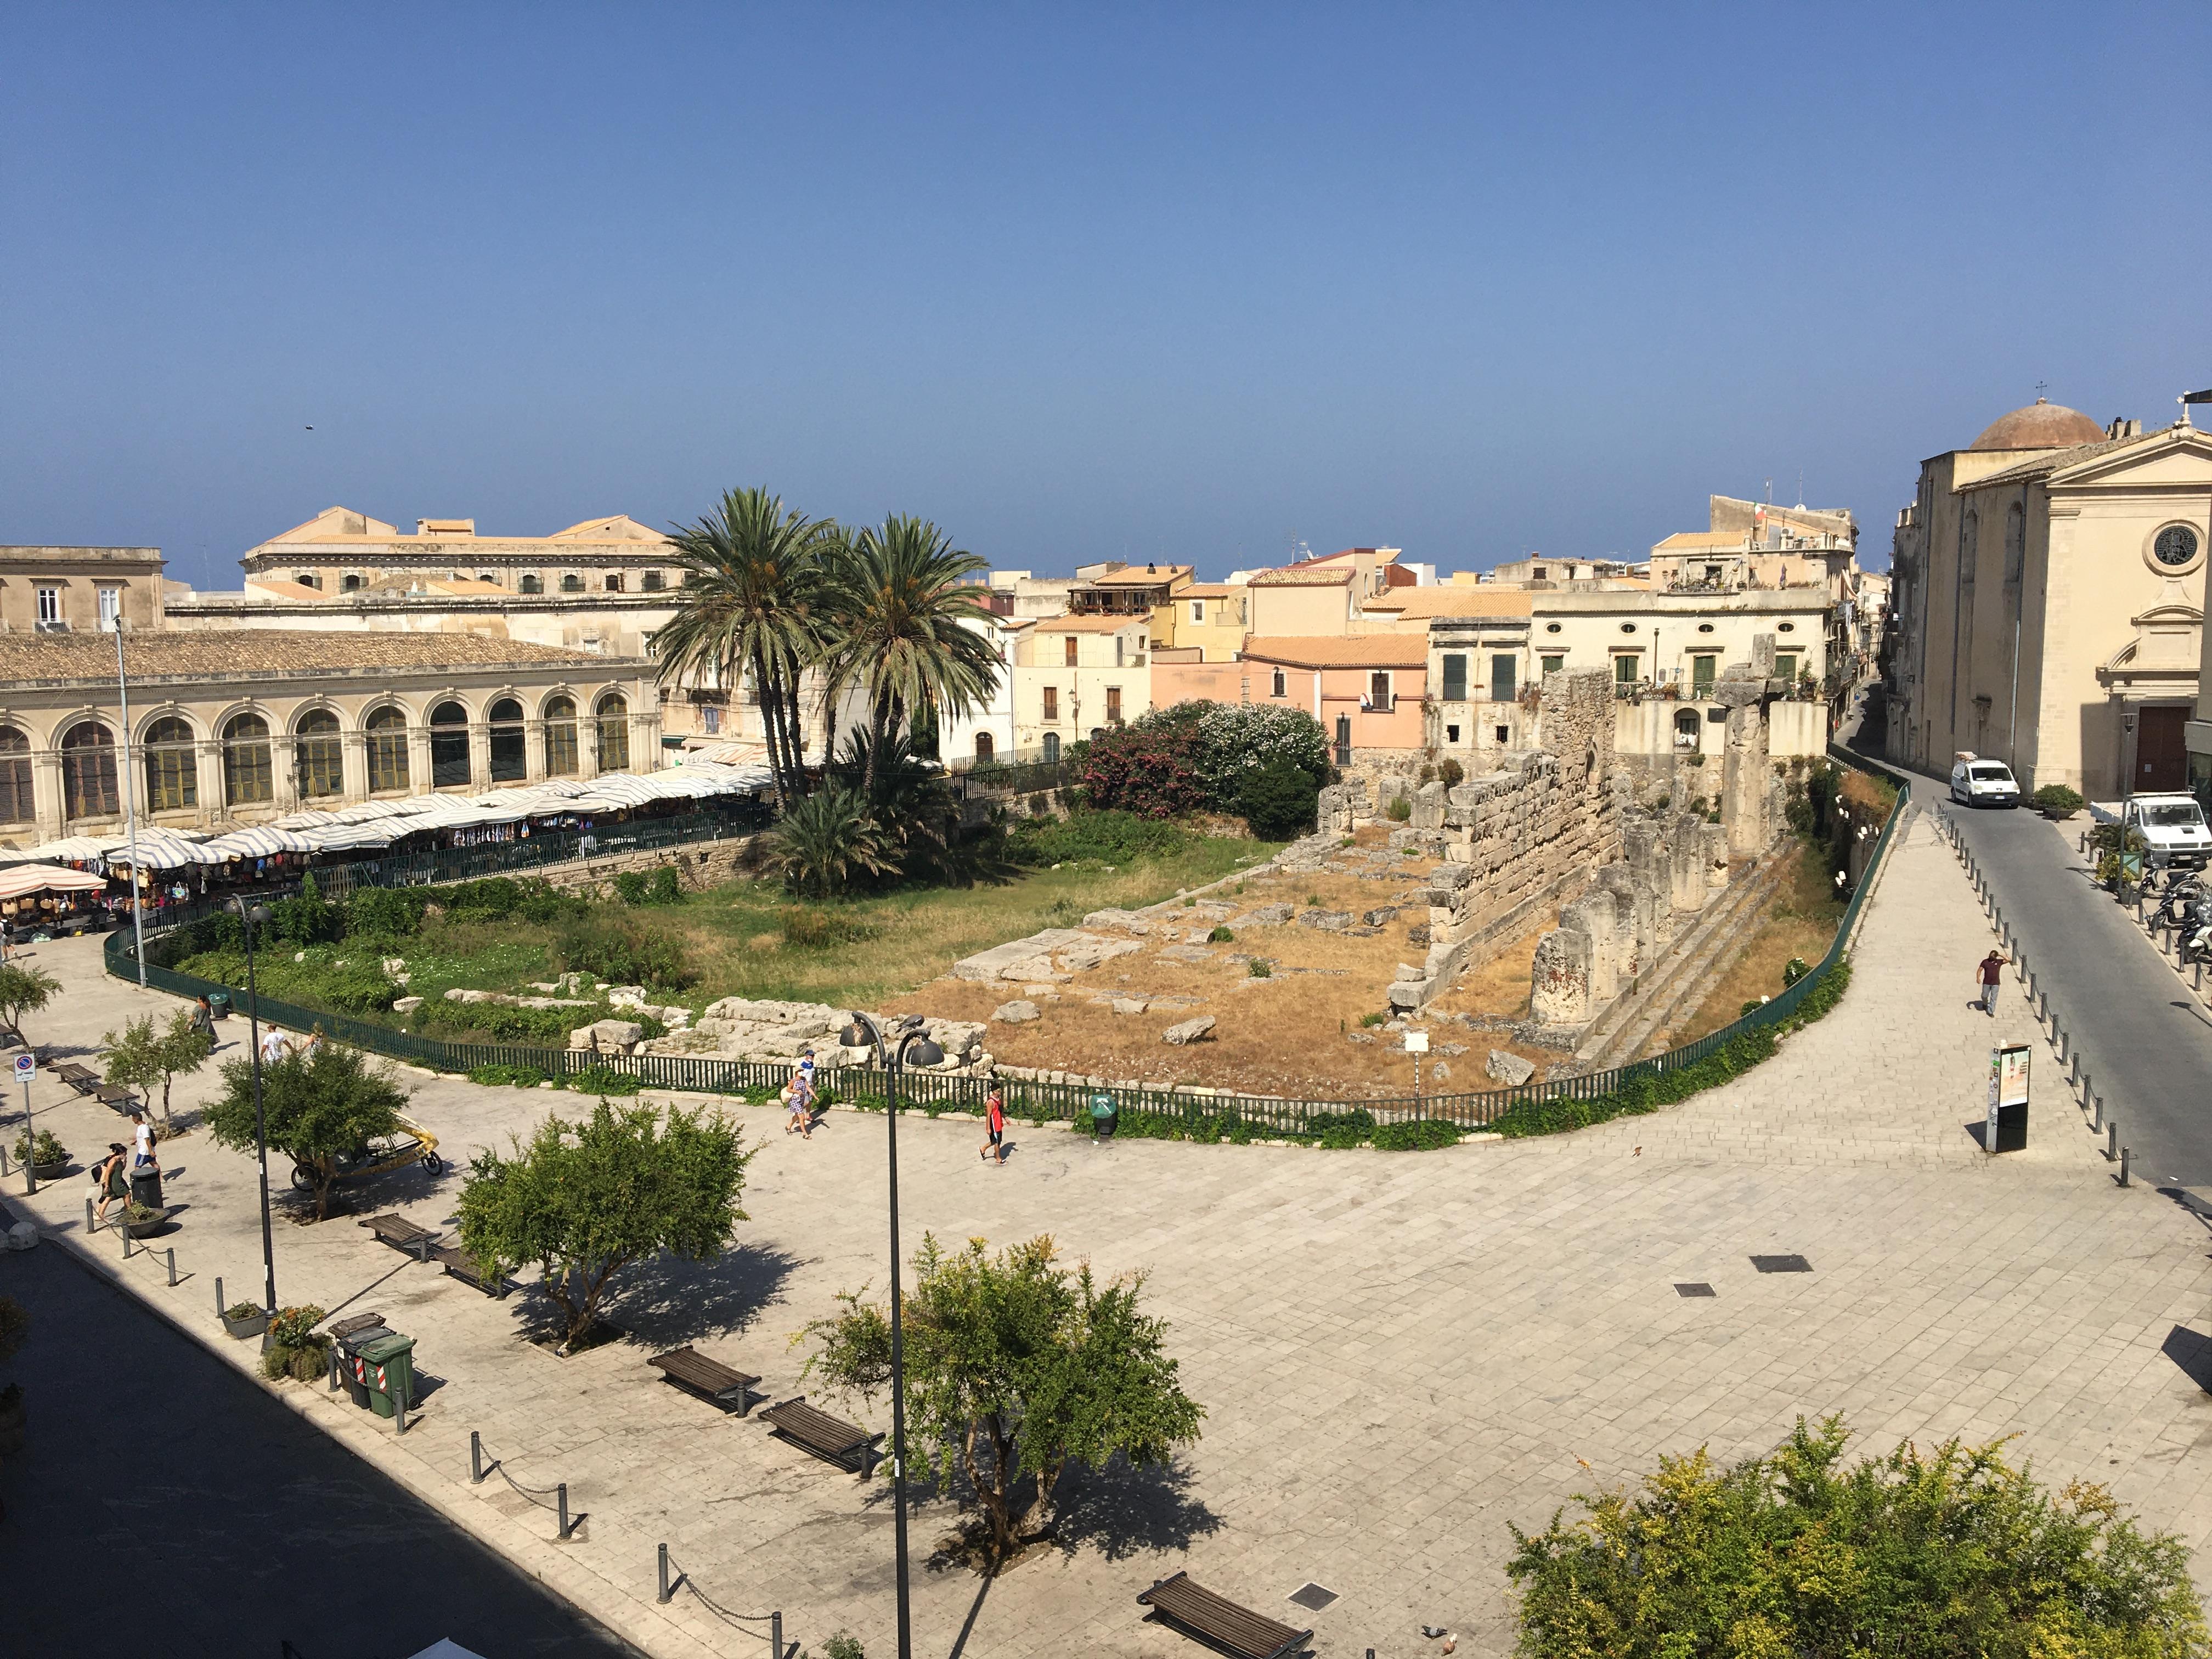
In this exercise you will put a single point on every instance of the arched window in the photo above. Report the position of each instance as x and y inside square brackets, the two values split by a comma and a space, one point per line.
[449, 746]
[1051, 747]
[249, 773]
[173, 781]
[985, 750]
[508, 762]
[15, 806]
[572, 582]
[652, 581]
[88, 789]
[387, 749]
[614, 733]
[352, 584]
[531, 585]
[1687, 725]
[318, 755]
[561, 759]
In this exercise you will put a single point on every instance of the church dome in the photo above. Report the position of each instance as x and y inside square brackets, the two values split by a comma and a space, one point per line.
[2041, 425]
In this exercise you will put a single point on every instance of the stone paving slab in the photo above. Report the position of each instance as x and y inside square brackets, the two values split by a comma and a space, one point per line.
[1398, 1353]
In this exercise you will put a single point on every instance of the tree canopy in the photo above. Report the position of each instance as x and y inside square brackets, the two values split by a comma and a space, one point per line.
[584, 1200]
[1953, 1554]
[319, 1108]
[24, 991]
[146, 1054]
[1016, 1367]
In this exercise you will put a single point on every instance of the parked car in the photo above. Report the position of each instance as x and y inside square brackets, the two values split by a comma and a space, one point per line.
[2172, 824]
[1979, 782]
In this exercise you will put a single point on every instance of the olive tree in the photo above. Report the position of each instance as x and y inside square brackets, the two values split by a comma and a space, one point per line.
[145, 1055]
[24, 991]
[1016, 1367]
[320, 1108]
[584, 1200]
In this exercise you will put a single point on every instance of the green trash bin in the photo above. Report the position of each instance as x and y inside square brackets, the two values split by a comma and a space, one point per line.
[219, 1004]
[1105, 1117]
[388, 1372]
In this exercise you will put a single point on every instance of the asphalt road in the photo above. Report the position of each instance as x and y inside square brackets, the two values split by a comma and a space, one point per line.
[2145, 1041]
[162, 1504]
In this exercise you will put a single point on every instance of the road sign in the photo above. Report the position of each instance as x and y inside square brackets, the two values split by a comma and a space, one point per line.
[25, 1064]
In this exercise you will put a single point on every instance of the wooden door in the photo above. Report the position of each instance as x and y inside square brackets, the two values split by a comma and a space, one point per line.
[2161, 756]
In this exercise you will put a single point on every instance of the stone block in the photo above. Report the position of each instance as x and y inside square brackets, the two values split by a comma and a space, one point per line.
[406, 1005]
[1380, 915]
[1015, 1013]
[1189, 1031]
[1130, 1005]
[1560, 979]
[1508, 1068]
[1328, 921]
[1129, 922]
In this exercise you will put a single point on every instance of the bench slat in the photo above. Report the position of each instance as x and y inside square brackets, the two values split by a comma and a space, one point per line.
[1250, 1635]
[466, 1268]
[828, 1438]
[694, 1370]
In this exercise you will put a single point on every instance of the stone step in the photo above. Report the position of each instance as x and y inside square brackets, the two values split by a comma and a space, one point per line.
[1624, 1008]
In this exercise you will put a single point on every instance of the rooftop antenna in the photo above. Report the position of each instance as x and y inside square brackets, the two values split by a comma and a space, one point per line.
[1800, 486]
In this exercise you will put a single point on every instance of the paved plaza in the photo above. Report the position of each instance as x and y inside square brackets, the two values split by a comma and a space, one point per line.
[1399, 1353]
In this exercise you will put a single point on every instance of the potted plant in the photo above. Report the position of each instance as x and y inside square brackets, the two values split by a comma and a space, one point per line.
[243, 1319]
[2055, 802]
[141, 1222]
[48, 1158]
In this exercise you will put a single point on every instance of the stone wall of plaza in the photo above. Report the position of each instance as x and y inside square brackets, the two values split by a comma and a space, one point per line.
[241, 728]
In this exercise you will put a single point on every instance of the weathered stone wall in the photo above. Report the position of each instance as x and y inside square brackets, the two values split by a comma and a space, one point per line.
[698, 865]
[1518, 838]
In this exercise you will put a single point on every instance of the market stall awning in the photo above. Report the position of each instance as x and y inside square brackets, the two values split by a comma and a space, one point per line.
[260, 842]
[46, 878]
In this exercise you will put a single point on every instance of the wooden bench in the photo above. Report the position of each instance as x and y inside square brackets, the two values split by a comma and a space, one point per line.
[116, 1100]
[466, 1268]
[1201, 1614]
[84, 1082]
[845, 1444]
[690, 1370]
[397, 1230]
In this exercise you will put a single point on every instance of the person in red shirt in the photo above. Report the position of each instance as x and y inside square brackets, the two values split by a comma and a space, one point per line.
[993, 1149]
[1991, 974]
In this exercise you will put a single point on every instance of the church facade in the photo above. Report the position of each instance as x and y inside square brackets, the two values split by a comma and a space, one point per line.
[2048, 602]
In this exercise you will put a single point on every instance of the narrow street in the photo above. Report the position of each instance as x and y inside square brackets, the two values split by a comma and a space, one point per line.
[2146, 1040]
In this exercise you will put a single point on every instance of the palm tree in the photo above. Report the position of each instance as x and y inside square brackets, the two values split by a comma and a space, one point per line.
[905, 596]
[756, 604]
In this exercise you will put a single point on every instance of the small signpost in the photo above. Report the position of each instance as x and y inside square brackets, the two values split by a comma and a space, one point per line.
[1417, 1044]
[2007, 1128]
[26, 1064]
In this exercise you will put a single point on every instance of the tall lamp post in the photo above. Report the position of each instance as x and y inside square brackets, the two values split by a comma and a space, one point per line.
[255, 916]
[906, 1037]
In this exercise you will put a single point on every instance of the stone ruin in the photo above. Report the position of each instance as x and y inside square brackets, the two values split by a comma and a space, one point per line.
[1672, 864]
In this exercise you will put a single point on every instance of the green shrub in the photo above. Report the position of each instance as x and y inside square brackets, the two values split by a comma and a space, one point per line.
[2056, 799]
[498, 898]
[1940, 1552]
[1260, 968]
[1795, 969]
[1108, 837]
[1278, 801]
[1221, 936]
[44, 1150]
[385, 912]
[1423, 1134]
[1341, 1129]
[497, 1021]
[629, 886]
[601, 1080]
[662, 888]
[515, 1077]
[1368, 1022]
[624, 952]
[1451, 774]
[241, 1310]
[1399, 808]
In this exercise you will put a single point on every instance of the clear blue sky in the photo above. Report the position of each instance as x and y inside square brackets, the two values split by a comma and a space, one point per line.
[1141, 282]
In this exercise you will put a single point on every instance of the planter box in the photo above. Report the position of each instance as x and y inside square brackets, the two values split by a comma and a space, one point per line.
[50, 1171]
[253, 1325]
[146, 1228]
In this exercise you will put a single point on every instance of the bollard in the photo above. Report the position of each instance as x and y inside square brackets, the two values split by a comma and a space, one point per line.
[2199, 984]
[562, 1492]
[2074, 1080]
[776, 1635]
[92, 1226]
[173, 1267]
[125, 1228]
[2124, 1166]
[666, 1592]
[2097, 1126]
[475, 1459]
[220, 1306]
[2111, 1138]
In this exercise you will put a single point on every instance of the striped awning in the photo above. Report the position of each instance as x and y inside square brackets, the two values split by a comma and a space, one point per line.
[259, 842]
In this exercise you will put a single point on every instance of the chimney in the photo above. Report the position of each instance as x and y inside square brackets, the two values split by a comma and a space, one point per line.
[2123, 428]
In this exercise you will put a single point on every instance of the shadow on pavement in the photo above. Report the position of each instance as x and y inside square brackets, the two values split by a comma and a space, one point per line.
[669, 1300]
[2193, 1353]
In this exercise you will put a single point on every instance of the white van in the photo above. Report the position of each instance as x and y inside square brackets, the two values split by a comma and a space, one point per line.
[1979, 782]
[2172, 824]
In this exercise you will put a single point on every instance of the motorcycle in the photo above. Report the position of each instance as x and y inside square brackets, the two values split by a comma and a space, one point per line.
[2196, 933]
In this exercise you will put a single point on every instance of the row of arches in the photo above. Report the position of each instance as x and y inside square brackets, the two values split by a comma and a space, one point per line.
[170, 748]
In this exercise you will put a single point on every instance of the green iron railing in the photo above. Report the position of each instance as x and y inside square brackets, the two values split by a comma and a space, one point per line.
[1053, 1102]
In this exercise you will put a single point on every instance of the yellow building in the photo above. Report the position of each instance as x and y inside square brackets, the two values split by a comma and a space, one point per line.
[2048, 602]
[1211, 618]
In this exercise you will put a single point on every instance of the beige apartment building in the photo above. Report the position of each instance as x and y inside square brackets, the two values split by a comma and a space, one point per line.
[245, 726]
[2048, 602]
[79, 590]
[1075, 676]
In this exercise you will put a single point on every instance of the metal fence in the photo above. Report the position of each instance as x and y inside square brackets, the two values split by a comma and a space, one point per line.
[1202, 1112]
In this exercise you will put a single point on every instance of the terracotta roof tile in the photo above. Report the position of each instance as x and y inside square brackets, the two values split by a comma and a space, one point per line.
[229, 653]
[1305, 575]
[1093, 624]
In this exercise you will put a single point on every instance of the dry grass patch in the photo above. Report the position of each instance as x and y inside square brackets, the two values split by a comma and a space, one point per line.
[1800, 920]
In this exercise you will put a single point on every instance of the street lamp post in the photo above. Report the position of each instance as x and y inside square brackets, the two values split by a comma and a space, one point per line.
[252, 916]
[905, 1037]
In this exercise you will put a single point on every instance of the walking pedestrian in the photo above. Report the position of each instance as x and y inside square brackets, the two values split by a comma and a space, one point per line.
[1991, 974]
[142, 1141]
[203, 1020]
[108, 1179]
[273, 1044]
[994, 1150]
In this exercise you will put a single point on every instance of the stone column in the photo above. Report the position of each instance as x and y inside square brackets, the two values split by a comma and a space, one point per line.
[355, 765]
[207, 766]
[46, 793]
[533, 750]
[284, 769]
